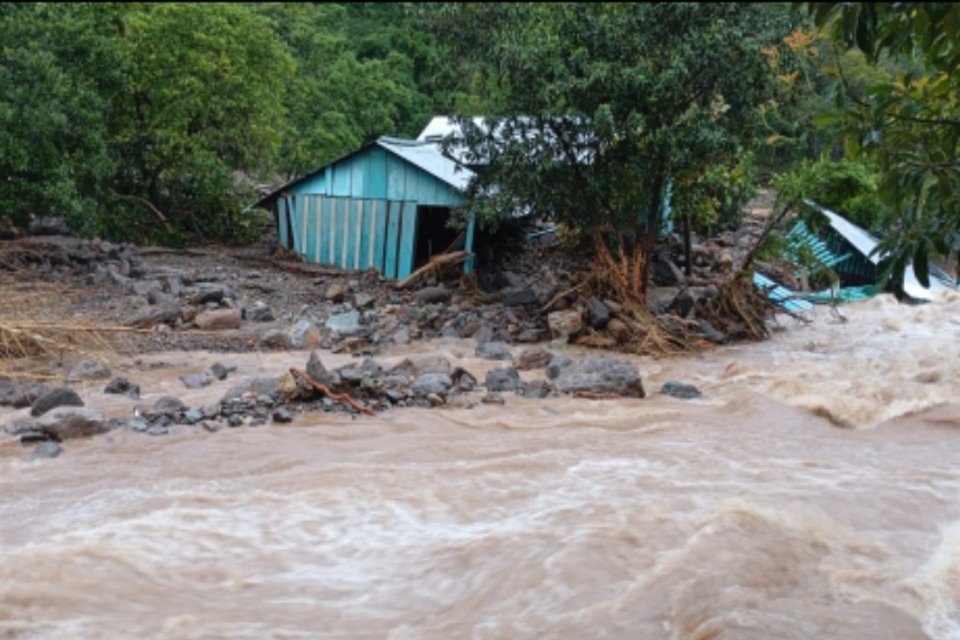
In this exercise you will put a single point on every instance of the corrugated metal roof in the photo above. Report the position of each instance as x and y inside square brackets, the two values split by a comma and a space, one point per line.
[866, 243]
[428, 157]
[779, 294]
[441, 126]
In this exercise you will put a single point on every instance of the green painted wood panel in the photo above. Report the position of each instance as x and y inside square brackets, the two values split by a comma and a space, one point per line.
[407, 240]
[379, 225]
[468, 245]
[393, 232]
[283, 222]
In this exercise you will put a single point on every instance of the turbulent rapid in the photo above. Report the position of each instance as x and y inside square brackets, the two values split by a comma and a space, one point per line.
[813, 492]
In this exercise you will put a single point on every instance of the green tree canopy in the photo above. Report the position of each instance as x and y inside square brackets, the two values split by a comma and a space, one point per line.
[909, 124]
[600, 104]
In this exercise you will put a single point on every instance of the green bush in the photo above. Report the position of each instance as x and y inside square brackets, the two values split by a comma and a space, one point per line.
[716, 197]
[844, 186]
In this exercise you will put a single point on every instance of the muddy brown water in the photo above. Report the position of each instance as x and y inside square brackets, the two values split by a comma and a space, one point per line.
[814, 493]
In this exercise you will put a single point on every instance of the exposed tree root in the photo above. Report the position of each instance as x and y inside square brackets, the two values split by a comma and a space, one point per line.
[336, 397]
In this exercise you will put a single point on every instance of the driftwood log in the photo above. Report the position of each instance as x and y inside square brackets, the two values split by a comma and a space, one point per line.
[442, 260]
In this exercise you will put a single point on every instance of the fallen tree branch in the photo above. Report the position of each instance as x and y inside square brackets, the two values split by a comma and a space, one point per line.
[562, 294]
[442, 260]
[146, 203]
[336, 397]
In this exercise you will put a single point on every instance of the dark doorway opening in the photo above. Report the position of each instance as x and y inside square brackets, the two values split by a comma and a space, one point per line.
[433, 234]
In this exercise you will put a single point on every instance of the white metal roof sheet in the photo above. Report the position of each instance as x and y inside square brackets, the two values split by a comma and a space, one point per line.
[866, 243]
[428, 157]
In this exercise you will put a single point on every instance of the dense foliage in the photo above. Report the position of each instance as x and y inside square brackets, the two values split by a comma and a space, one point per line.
[599, 105]
[907, 123]
[156, 122]
[153, 121]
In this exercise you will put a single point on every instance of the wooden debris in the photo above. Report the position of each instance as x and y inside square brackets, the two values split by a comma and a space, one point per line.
[438, 261]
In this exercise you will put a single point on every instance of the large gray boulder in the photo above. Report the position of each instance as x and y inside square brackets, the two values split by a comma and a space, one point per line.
[601, 374]
[427, 383]
[503, 379]
[19, 395]
[64, 423]
[59, 397]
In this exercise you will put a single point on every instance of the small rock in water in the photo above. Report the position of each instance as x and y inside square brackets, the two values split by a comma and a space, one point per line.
[680, 390]
[432, 383]
[68, 422]
[219, 371]
[505, 379]
[19, 427]
[492, 398]
[557, 364]
[59, 397]
[47, 449]
[211, 426]
[20, 395]
[138, 424]
[122, 385]
[158, 430]
[533, 359]
[196, 380]
[395, 395]
[494, 351]
[435, 399]
[282, 415]
[88, 370]
[234, 420]
[168, 405]
[193, 416]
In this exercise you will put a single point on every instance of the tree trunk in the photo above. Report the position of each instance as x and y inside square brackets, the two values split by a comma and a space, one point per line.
[650, 238]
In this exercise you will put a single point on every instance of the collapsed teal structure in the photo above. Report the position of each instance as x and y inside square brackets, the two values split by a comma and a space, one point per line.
[384, 206]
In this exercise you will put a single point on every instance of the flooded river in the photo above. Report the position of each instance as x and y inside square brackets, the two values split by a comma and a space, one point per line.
[813, 493]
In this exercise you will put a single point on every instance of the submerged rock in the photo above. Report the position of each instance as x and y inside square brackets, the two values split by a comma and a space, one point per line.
[196, 380]
[680, 390]
[47, 449]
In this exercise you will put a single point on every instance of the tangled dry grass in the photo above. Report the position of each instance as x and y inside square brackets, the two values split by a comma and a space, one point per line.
[33, 332]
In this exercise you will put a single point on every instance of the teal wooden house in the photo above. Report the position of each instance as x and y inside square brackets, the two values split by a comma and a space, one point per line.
[385, 206]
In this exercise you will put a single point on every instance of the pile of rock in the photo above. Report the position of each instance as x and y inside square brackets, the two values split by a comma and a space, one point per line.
[59, 414]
